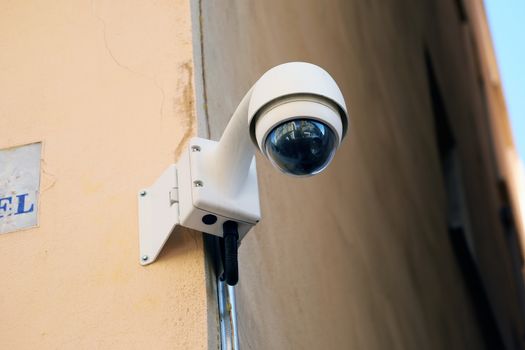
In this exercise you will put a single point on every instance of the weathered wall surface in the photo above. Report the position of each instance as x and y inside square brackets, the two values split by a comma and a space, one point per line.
[359, 257]
[107, 86]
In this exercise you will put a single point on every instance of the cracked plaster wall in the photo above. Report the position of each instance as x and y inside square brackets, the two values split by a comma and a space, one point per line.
[107, 86]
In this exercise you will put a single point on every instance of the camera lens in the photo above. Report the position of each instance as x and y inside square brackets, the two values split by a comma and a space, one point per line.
[301, 146]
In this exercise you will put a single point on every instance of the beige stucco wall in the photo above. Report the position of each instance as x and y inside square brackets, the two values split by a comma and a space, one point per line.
[359, 257]
[107, 86]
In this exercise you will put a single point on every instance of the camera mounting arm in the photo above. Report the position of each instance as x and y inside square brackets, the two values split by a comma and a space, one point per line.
[235, 152]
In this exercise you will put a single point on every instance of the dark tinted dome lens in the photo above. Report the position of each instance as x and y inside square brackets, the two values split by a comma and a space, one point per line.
[301, 146]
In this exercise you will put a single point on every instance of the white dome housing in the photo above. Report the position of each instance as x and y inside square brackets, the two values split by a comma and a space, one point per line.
[304, 93]
[296, 81]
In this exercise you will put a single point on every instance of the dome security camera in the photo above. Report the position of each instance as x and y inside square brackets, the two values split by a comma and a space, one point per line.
[295, 115]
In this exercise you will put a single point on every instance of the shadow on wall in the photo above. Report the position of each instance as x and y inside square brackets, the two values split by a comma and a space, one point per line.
[459, 230]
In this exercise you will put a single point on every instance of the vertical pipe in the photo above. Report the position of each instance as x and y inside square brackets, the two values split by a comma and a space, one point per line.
[226, 331]
[228, 316]
[233, 315]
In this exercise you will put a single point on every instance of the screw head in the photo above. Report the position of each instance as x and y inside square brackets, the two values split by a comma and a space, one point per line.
[195, 148]
[198, 183]
[144, 258]
[143, 193]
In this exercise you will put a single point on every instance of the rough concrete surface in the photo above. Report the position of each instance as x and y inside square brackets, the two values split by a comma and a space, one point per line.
[359, 257]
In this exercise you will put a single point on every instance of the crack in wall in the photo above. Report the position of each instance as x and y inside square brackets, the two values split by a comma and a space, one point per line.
[125, 67]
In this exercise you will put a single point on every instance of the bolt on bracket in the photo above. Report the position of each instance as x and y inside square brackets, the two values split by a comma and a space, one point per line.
[158, 214]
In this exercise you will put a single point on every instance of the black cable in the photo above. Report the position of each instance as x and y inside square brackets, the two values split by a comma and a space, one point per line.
[231, 238]
[215, 252]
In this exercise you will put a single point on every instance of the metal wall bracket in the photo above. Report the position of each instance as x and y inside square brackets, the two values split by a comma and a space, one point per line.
[189, 194]
[158, 214]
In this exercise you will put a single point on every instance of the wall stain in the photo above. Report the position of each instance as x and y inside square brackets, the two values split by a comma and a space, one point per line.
[203, 68]
[186, 105]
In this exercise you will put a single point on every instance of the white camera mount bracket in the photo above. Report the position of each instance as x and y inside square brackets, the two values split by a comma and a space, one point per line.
[158, 214]
[192, 194]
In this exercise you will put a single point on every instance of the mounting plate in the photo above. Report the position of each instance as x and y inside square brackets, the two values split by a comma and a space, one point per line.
[158, 214]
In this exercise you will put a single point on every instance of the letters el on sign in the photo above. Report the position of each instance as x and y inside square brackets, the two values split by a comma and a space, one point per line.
[19, 187]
